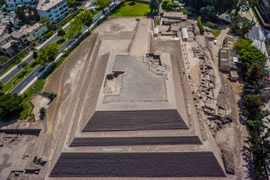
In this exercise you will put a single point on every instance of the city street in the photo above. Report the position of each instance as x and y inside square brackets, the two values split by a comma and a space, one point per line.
[18, 68]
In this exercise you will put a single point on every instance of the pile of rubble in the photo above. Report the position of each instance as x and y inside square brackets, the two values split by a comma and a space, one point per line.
[217, 114]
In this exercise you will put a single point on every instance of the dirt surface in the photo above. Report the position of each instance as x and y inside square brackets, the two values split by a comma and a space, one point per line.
[231, 138]
[63, 82]
[17, 151]
[39, 102]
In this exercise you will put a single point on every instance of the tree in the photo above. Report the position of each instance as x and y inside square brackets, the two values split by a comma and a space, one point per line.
[212, 8]
[242, 43]
[71, 3]
[167, 5]
[103, 4]
[240, 26]
[255, 72]
[35, 54]
[42, 111]
[3, 59]
[1, 86]
[23, 64]
[61, 32]
[52, 96]
[27, 14]
[154, 5]
[10, 104]
[86, 17]
[76, 25]
[251, 106]
[45, 21]
[241, 3]
[208, 11]
[47, 55]
[250, 55]
[259, 88]
[75, 28]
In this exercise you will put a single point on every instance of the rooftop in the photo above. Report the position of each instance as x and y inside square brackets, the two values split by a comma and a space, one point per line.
[29, 28]
[47, 4]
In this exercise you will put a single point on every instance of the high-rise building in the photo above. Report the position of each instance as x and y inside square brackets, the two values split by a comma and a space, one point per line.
[55, 10]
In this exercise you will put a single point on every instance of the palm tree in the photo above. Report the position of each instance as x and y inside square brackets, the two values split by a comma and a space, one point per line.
[259, 88]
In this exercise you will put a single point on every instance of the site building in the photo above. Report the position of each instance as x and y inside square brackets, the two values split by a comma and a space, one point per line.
[54, 10]
[13, 4]
[10, 44]
[34, 31]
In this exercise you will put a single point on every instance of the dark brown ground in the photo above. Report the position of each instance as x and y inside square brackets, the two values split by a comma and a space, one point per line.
[135, 120]
[132, 141]
[137, 165]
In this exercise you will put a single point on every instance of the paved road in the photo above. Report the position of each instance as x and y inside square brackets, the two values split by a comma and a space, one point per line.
[27, 80]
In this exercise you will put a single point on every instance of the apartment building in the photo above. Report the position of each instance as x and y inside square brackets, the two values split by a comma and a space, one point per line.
[265, 10]
[13, 4]
[34, 31]
[55, 10]
[10, 44]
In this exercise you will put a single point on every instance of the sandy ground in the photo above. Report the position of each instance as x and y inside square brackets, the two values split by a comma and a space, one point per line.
[232, 137]
[72, 98]
[16, 152]
[39, 101]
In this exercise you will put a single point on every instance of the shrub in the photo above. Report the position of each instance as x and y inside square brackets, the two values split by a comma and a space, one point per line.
[42, 111]
[211, 25]
[200, 24]
[167, 5]
[184, 11]
[23, 64]
[61, 32]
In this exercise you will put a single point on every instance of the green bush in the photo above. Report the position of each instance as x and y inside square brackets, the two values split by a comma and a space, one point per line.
[200, 24]
[47, 35]
[167, 5]
[184, 11]
[23, 64]
[210, 24]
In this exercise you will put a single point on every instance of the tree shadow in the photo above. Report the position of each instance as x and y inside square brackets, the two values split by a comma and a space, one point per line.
[246, 155]
[131, 3]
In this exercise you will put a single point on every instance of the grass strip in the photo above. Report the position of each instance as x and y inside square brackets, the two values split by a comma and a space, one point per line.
[20, 76]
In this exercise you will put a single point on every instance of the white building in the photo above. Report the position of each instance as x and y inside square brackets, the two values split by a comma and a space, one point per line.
[13, 4]
[55, 10]
[33, 32]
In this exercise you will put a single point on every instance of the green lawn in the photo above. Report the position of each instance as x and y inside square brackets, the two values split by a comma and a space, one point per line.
[132, 9]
